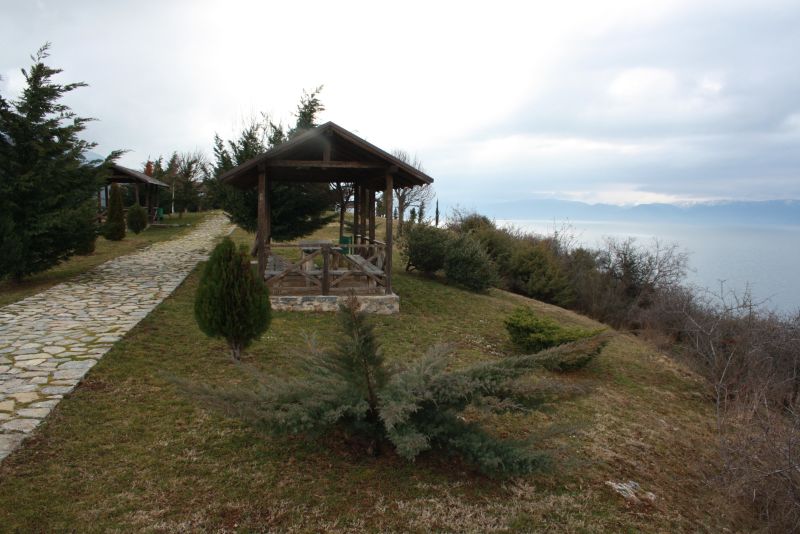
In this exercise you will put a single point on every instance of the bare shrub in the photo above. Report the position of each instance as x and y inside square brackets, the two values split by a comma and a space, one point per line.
[751, 357]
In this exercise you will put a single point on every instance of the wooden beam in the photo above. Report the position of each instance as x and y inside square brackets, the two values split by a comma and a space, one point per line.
[323, 164]
[356, 211]
[372, 215]
[364, 213]
[387, 202]
[261, 232]
[147, 200]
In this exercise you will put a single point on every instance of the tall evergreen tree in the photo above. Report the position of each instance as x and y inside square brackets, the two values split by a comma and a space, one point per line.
[307, 110]
[297, 209]
[47, 186]
[191, 168]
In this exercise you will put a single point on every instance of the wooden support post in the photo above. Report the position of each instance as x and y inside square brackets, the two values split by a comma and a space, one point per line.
[268, 210]
[155, 192]
[356, 211]
[136, 193]
[261, 232]
[342, 213]
[364, 216]
[326, 269]
[387, 202]
[372, 215]
[150, 216]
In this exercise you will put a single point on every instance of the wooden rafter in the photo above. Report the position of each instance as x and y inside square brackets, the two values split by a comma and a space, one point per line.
[317, 164]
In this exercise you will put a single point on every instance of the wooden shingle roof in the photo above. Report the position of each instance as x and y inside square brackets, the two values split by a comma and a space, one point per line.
[124, 175]
[327, 153]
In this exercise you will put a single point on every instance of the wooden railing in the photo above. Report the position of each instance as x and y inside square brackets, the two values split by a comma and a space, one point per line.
[327, 269]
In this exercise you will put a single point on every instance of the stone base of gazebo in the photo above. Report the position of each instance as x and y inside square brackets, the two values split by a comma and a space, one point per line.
[377, 304]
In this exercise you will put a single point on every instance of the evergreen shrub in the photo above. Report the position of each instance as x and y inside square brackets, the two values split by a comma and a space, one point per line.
[467, 264]
[424, 247]
[413, 409]
[137, 218]
[535, 272]
[48, 180]
[569, 359]
[232, 302]
[88, 231]
[533, 333]
[500, 244]
[114, 229]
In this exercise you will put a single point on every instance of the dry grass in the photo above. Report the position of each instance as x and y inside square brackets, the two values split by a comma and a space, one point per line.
[126, 451]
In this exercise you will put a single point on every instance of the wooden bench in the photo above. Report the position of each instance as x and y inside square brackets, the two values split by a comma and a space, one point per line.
[364, 265]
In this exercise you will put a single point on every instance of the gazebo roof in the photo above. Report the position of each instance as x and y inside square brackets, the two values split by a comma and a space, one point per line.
[327, 153]
[124, 175]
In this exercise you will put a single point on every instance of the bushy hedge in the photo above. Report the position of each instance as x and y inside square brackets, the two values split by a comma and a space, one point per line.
[424, 247]
[467, 264]
[137, 218]
[87, 245]
[533, 333]
[534, 271]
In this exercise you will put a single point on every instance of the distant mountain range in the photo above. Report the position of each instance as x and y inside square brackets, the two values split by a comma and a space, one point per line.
[722, 212]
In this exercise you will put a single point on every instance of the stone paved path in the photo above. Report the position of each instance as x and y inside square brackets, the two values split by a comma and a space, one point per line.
[49, 341]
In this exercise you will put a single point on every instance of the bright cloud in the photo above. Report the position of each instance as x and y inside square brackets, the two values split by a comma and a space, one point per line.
[624, 101]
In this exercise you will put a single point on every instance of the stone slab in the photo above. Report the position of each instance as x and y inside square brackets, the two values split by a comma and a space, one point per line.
[375, 304]
[50, 340]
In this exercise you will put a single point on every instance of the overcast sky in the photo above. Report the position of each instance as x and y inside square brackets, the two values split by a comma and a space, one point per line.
[622, 102]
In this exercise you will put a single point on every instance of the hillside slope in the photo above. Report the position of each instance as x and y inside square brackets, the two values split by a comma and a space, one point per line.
[128, 451]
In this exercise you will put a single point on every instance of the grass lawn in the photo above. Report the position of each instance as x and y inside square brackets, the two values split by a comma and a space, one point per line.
[11, 291]
[128, 451]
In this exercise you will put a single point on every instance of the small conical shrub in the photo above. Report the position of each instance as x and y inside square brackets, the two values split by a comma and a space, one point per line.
[232, 302]
[137, 218]
[114, 229]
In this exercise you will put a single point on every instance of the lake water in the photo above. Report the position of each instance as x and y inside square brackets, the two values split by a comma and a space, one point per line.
[765, 258]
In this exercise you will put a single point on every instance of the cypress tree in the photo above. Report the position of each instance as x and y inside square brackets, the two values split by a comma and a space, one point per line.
[114, 229]
[137, 218]
[47, 185]
[232, 302]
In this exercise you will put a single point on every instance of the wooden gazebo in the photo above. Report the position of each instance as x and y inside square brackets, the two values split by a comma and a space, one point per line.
[329, 154]
[143, 186]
